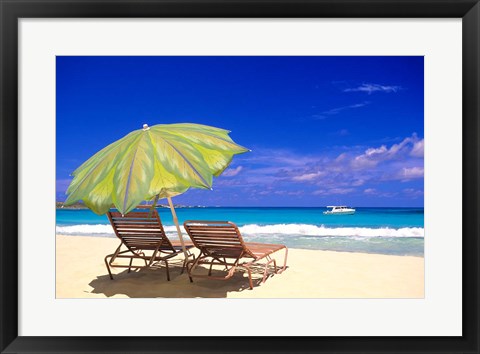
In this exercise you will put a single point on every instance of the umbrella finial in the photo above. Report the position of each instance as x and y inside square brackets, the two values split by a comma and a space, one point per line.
[145, 127]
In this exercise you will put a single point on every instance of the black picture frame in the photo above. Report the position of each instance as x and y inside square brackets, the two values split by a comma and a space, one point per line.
[11, 11]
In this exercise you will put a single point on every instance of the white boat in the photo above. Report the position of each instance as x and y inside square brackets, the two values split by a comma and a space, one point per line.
[339, 210]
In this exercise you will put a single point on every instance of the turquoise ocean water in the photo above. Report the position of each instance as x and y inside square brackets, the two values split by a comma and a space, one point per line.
[397, 231]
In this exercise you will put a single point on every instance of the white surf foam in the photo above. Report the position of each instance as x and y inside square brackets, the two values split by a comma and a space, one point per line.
[277, 229]
[85, 229]
[313, 230]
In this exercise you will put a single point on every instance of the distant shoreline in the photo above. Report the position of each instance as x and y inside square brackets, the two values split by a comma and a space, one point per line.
[59, 205]
[81, 206]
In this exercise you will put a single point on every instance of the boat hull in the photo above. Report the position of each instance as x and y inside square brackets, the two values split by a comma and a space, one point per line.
[339, 212]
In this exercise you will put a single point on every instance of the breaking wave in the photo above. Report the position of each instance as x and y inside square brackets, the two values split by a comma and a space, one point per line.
[277, 229]
[313, 230]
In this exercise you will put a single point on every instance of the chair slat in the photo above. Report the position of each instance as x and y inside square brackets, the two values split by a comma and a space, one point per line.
[211, 228]
[135, 224]
[139, 231]
[213, 236]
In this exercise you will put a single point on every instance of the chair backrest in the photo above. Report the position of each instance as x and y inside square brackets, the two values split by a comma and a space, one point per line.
[217, 238]
[138, 230]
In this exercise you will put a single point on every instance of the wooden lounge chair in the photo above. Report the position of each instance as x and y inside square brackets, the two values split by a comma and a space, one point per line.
[141, 232]
[221, 241]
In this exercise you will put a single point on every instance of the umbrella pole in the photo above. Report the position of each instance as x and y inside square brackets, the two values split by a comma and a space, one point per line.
[175, 220]
[152, 208]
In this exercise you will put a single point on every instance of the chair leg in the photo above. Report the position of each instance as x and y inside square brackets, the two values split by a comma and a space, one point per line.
[265, 270]
[113, 256]
[108, 267]
[143, 255]
[168, 272]
[210, 270]
[186, 261]
[130, 265]
[189, 270]
[184, 265]
[194, 263]
[249, 276]
[284, 262]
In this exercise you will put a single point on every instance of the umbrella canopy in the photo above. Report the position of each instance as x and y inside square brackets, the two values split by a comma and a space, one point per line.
[159, 161]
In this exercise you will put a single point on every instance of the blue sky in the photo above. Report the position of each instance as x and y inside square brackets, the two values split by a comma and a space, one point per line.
[322, 130]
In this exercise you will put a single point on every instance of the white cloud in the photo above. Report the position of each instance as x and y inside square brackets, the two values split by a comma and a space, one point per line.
[372, 151]
[337, 110]
[358, 182]
[309, 176]
[342, 157]
[418, 149]
[272, 191]
[370, 88]
[412, 173]
[373, 156]
[373, 191]
[232, 171]
[333, 191]
[413, 193]
[291, 193]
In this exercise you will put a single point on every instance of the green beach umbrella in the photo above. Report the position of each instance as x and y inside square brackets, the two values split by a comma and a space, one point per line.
[152, 163]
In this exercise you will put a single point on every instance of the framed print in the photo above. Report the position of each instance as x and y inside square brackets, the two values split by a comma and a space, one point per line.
[312, 166]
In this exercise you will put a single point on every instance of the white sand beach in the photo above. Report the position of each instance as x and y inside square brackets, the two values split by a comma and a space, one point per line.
[81, 273]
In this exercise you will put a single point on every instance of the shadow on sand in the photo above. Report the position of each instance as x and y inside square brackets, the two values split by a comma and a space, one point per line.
[152, 283]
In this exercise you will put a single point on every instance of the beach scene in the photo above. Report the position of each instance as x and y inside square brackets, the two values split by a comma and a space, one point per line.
[240, 177]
